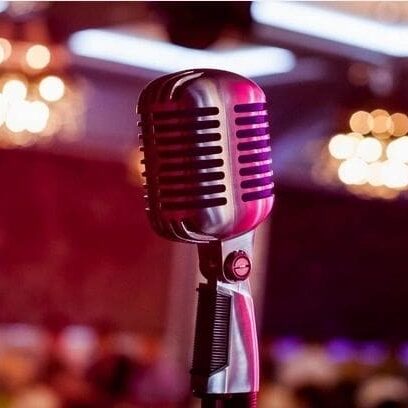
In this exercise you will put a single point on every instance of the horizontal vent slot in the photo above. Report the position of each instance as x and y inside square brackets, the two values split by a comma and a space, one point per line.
[250, 171]
[257, 182]
[257, 144]
[257, 195]
[187, 205]
[261, 131]
[250, 158]
[193, 138]
[202, 190]
[193, 152]
[192, 178]
[250, 107]
[185, 113]
[251, 120]
[192, 165]
[185, 126]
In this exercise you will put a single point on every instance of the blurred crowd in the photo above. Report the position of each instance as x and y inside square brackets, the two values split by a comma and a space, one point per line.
[83, 367]
[79, 367]
[336, 374]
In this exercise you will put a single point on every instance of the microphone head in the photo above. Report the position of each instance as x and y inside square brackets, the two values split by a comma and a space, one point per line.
[207, 156]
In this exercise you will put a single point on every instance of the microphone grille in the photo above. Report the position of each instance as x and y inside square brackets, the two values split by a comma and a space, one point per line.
[188, 164]
[254, 151]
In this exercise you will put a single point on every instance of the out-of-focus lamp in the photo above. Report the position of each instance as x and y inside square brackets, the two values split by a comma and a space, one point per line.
[372, 159]
[36, 96]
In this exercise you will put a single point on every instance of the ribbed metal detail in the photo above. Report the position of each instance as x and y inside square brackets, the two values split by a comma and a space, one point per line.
[212, 332]
[193, 152]
[250, 107]
[188, 139]
[186, 126]
[185, 113]
[191, 204]
[253, 132]
[188, 161]
[255, 170]
[254, 146]
[251, 120]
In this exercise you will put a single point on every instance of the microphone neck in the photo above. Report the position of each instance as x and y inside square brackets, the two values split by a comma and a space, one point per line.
[224, 261]
[225, 362]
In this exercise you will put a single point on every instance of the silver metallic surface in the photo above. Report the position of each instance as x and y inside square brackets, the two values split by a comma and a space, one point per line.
[205, 139]
[207, 156]
[242, 373]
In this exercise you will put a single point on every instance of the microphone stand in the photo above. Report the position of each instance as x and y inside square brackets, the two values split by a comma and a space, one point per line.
[225, 369]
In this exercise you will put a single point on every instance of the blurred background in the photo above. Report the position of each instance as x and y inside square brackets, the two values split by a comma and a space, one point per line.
[95, 310]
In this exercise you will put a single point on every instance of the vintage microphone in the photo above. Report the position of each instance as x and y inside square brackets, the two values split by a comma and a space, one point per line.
[207, 157]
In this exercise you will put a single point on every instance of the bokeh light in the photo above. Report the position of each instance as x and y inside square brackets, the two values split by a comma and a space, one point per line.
[397, 150]
[344, 146]
[353, 171]
[375, 164]
[383, 127]
[361, 122]
[52, 88]
[37, 116]
[37, 100]
[374, 176]
[369, 149]
[15, 116]
[5, 49]
[399, 123]
[394, 174]
[379, 112]
[3, 109]
[14, 90]
[38, 56]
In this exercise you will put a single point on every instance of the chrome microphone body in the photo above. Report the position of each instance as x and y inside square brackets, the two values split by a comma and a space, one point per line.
[208, 170]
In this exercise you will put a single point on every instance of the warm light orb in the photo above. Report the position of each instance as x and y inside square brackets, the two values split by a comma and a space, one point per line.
[375, 174]
[344, 146]
[394, 174]
[14, 90]
[353, 171]
[16, 116]
[37, 115]
[2, 55]
[369, 149]
[397, 150]
[5, 49]
[361, 122]
[382, 125]
[52, 88]
[38, 56]
[3, 109]
[379, 112]
[400, 124]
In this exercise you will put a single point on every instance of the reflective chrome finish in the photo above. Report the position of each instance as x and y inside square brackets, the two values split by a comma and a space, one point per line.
[241, 374]
[205, 138]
